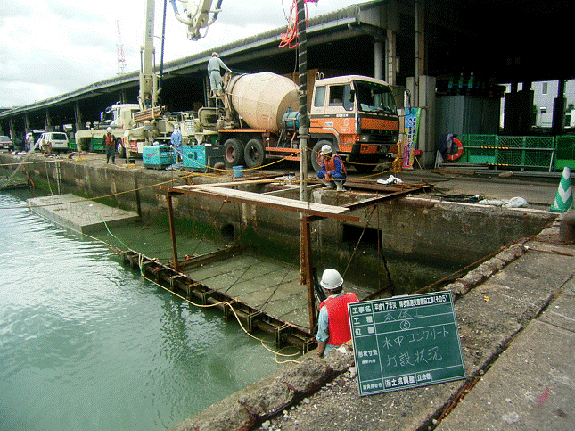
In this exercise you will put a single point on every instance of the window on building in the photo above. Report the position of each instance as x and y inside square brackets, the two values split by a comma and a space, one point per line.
[543, 109]
[544, 88]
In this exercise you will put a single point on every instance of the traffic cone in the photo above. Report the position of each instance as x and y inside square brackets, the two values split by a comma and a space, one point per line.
[564, 198]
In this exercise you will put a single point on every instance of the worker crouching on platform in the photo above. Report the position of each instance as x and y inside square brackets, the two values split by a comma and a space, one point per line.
[332, 171]
[333, 321]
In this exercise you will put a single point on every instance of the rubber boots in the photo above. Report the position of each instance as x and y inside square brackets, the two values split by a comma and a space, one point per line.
[327, 184]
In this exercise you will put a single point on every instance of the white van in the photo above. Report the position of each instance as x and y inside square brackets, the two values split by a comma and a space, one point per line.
[57, 140]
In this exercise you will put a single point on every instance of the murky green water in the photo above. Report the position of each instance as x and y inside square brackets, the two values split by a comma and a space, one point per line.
[87, 344]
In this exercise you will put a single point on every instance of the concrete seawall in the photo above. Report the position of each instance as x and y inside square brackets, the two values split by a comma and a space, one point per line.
[413, 228]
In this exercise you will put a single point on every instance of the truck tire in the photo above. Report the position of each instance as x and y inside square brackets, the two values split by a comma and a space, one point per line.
[315, 156]
[120, 148]
[233, 152]
[254, 153]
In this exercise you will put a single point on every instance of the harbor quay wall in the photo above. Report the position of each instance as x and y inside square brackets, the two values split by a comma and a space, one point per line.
[415, 228]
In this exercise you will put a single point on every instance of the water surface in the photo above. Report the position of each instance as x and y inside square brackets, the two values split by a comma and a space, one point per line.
[87, 344]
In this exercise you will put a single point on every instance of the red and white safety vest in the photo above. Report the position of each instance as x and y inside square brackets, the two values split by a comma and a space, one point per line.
[338, 318]
[109, 140]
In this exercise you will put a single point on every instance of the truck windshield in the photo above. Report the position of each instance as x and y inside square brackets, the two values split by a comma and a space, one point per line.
[374, 97]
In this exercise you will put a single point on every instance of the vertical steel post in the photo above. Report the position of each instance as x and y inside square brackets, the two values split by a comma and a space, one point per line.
[305, 244]
[172, 230]
[305, 236]
[419, 48]
[162, 46]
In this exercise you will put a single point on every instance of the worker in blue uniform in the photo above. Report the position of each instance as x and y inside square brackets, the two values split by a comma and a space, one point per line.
[215, 65]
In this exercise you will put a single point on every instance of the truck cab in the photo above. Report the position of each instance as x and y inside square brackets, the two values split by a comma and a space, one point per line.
[357, 116]
[119, 116]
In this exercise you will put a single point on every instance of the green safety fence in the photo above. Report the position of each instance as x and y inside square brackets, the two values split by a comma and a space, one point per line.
[524, 152]
[565, 152]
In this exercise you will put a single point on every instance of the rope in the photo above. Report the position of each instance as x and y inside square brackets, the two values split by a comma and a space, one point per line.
[140, 261]
[207, 167]
[48, 179]
[229, 304]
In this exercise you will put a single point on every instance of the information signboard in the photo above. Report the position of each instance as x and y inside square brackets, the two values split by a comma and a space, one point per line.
[405, 341]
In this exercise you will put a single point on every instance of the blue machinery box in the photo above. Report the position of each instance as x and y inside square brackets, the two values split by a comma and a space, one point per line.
[202, 157]
[158, 156]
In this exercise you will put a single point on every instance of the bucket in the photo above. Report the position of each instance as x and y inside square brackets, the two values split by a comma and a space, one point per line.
[238, 171]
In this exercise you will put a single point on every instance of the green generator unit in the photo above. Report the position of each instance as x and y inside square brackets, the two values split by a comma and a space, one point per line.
[202, 157]
[158, 156]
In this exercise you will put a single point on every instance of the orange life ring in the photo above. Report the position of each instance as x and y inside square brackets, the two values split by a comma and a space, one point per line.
[453, 157]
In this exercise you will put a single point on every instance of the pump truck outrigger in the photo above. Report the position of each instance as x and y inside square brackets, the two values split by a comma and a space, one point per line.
[355, 115]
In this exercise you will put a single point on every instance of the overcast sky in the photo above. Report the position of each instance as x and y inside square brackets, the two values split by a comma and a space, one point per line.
[50, 47]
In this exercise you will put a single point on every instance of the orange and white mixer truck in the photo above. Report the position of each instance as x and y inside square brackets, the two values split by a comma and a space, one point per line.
[356, 115]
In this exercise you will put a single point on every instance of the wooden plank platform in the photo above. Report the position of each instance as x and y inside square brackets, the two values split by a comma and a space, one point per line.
[277, 202]
[80, 214]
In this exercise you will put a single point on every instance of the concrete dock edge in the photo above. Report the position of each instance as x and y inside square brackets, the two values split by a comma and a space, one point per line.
[508, 298]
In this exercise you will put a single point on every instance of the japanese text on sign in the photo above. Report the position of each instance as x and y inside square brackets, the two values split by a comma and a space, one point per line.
[405, 342]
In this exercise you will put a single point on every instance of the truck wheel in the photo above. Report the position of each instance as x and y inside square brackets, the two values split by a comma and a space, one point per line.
[233, 152]
[316, 157]
[121, 149]
[254, 153]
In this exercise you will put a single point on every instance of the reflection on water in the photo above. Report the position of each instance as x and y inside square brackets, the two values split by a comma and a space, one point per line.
[86, 344]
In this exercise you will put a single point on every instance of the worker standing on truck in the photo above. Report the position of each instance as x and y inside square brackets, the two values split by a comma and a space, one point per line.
[332, 169]
[215, 64]
[333, 321]
[110, 143]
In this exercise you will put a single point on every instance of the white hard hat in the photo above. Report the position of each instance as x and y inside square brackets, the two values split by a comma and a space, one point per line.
[326, 149]
[331, 279]
[109, 129]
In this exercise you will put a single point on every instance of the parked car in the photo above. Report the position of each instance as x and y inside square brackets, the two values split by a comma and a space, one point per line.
[31, 139]
[6, 142]
[57, 140]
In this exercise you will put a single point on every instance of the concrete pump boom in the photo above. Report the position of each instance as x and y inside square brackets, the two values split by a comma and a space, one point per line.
[197, 15]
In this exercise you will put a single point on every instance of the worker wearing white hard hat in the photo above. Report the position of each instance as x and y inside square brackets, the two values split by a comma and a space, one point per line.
[215, 64]
[109, 142]
[332, 172]
[333, 320]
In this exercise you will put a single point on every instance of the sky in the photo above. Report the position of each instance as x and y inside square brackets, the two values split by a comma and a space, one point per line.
[51, 47]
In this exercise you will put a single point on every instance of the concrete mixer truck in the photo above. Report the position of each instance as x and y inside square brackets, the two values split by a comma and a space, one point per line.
[356, 115]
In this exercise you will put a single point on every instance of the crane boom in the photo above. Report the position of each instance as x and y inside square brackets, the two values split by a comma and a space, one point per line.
[148, 96]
